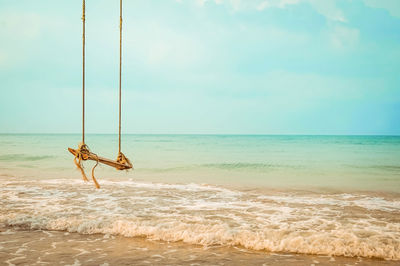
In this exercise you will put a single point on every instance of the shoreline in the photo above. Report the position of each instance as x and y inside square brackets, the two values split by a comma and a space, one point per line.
[330, 224]
[61, 247]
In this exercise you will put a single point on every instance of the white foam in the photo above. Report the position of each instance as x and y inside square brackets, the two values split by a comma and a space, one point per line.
[208, 215]
[9, 262]
[129, 183]
[76, 263]
[81, 252]
[20, 250]
[342, 200]
[8, 232]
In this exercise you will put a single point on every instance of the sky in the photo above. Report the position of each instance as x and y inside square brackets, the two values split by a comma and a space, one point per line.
[202, 66]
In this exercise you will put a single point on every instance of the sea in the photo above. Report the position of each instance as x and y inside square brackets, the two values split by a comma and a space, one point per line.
[201, 200]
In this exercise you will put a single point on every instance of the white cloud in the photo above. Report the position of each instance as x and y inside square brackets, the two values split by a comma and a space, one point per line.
[344, 37]
[157, 45]
[276, 3]
[393, 6]
[201, 2]
[328, 9]
[23, 32]
[17, 30]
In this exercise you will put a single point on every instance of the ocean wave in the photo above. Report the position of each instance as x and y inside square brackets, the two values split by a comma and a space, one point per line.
[23, 157]
[383, 167]
[336, 225]
[342, 200]
[225, 166]
[254, 166]
[333, 243]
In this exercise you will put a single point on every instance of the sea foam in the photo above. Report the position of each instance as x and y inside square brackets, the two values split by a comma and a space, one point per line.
[340, 225]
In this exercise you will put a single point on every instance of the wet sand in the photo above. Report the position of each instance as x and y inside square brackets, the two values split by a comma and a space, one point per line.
[20, 247]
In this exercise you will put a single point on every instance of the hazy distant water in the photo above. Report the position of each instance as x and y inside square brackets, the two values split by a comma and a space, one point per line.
[331, 162]
[327, 195]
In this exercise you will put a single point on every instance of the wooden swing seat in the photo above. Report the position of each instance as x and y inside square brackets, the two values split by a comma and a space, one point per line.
[112, 163]
[83, 153]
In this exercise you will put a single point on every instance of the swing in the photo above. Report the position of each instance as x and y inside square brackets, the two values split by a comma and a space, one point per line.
[83, 153]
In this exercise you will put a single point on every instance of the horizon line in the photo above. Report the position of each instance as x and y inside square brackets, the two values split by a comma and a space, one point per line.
[204, 134]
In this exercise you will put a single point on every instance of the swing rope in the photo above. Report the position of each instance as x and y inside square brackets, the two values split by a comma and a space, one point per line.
[120, 74]
[121, 158]
[83, 72]
[83, 152]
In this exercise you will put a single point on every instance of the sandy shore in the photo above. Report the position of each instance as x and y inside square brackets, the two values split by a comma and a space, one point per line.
[19, 247]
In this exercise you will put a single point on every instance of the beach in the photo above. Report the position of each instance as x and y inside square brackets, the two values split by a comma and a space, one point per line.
[54, 247]
[201, 200]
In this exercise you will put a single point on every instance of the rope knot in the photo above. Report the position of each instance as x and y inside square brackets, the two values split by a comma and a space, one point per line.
[82, 154]
[122, 159]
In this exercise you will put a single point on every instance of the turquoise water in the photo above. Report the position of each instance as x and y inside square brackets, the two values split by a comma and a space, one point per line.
[312, 162]
[307, 195]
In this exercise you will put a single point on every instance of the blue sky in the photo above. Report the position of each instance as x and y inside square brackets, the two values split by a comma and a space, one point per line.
[216, 66]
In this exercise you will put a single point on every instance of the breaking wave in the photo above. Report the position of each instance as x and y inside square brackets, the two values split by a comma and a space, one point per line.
[23, 157]
[253, 166]
[336, 224]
